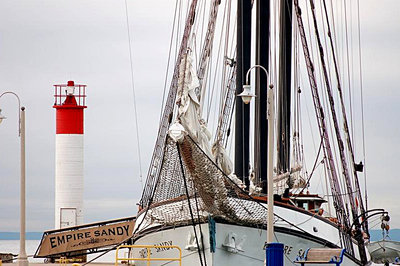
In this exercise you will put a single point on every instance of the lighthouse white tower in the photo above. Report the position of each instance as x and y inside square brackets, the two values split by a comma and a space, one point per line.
[69, 104]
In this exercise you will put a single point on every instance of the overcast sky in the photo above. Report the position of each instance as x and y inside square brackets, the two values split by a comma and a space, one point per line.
[50, 42]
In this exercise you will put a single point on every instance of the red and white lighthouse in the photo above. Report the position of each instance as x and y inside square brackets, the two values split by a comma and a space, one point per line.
[69, 104]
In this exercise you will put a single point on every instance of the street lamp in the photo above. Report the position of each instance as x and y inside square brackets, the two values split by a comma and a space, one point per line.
[22, 259]
[275, 250]
[246, 94]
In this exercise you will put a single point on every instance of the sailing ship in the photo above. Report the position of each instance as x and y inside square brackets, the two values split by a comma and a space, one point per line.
[216, 210]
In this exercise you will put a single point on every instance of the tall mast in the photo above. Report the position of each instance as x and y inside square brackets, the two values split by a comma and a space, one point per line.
[262, 59]
[285, 57]
[242, 115]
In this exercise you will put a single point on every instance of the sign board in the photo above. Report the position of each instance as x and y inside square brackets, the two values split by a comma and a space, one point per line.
[83, 239]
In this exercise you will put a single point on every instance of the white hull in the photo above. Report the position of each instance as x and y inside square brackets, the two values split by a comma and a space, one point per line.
[252, 248]
[304, 231]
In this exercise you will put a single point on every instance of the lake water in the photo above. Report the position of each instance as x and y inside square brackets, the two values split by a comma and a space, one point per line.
[12, 246]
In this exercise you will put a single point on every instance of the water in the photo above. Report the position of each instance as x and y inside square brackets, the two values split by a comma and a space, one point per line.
[12, 246]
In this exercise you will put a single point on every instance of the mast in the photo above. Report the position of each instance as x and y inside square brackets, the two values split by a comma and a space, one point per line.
[285, 56]
[242, 115]
[262, 59]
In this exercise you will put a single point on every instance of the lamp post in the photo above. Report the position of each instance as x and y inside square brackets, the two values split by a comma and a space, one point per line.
[246, 96]
[274, 251]
[22, 259]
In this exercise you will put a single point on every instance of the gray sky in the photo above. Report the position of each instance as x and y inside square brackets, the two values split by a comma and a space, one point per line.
[49, 42]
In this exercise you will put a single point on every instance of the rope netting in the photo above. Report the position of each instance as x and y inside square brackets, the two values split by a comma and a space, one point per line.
[210, 190]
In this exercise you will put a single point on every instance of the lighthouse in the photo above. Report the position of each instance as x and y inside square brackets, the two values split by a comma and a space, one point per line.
[69, 104]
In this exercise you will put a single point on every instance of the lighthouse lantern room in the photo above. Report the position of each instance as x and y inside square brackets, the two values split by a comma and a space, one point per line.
[69, 104]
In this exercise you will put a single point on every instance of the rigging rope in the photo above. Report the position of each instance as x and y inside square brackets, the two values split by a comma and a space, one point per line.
[178, 31]
[218, 59]
[348, 68]
[169, 58]
[203, 19]
[225, 53]
[338, 201]
[362, 103]
[156, 160]
[201, 231]
[134, 95]
[206, 54]
[242, 192]
[346, 127]
[189, 204]
[312, 171]
[334, 117]
[347, 177]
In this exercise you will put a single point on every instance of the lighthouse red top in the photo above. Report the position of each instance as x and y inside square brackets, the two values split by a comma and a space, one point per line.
[69, 103]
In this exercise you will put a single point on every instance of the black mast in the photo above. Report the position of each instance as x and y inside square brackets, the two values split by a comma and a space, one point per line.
[262, 59]
[285, 56]
[242, 120]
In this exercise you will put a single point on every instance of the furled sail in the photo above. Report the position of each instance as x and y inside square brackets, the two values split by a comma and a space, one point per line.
[188, 110]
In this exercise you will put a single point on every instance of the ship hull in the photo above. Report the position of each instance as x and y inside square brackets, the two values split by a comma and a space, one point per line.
[232, 244]
[250, 252]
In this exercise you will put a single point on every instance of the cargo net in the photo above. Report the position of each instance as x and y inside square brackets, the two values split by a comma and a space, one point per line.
[209, 190]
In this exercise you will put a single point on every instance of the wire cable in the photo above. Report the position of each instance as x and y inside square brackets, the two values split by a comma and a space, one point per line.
[201, 231]
[314, 167]
[362, 103]
[134, 95]
[190, 206]
[348, 69]
[169, 59]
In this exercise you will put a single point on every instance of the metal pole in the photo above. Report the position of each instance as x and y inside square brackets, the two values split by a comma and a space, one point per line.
[270, 116]
[22, 258]
[274, 251]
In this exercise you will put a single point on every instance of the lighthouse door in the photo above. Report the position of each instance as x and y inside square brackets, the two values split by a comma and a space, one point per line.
[68, 217]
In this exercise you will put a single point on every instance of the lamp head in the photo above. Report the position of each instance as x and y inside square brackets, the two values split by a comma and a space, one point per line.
[70, 88]
[246, 94]
[1, 117]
